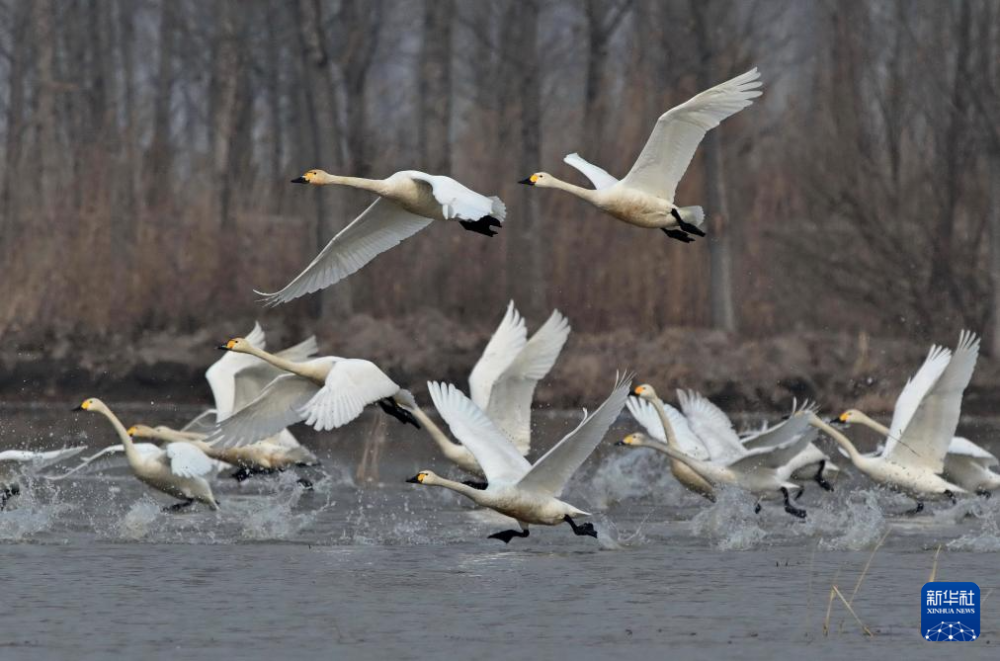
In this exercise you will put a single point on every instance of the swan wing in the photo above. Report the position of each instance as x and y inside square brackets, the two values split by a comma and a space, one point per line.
[220, 375]
[382, 226]
[188, 461]
[145, 450]
[966, 448]
[771, 435]
[788, 439]
[201, 423]
[351, 385]
[507, 342]
[550, 474]
[276, 407]
[680, 130]
[511, 396]
[597, 175]
[712, 426]
[645, 414]
[458, 201]
[36, 461]
[914, 391]
[497, 456]
[925, 440]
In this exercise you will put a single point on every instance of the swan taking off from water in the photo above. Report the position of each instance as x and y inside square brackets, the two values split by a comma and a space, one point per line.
[923, 426]
[326, 393]
[178, 471]
[525, 492]
[764, 471]
[17, 463]
[408, 202]
[502, 383]
[645, 197]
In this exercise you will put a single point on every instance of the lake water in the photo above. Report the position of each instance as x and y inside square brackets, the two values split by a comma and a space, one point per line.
[93, 569]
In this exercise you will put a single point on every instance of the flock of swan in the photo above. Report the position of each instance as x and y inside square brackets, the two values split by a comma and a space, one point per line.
[258, 395]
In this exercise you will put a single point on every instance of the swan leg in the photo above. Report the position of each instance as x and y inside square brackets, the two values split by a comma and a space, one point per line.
[679, 235]
[177, 507]
[476, 485]
[581, 529]
[687, 227]
[482, 226]
[390, 407]
[820, 480]
[791, 509]
[304, 483]
[798, 494]
[916, 510]
[951, 497]
[506, 535]
[757, 507]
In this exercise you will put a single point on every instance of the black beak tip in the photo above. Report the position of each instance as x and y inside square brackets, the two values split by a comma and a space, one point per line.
[222, 347]
[620, 443]
[299, 180]
[78, 408]
[527, 182]
[413, 480]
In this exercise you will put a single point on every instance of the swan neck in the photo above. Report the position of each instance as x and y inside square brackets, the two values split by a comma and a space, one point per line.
[433, 430]
[874, 425]
[283, 363]
[130, 452]
[373, 185]
[839, 438]
[469, 492]
[585, 193]
[665, 422]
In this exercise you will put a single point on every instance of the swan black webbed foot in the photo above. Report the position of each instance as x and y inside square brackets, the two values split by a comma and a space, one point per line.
[581, 529]
[304, 483]
[389, 406]
[820, 480]
[951, 496]
[506, 535]
[757, 507]
[482, 226]
[678, 235]
[476, 485]
[985, 493]
[177, 507]
[687, 227]
[791, 509]
[916, 510]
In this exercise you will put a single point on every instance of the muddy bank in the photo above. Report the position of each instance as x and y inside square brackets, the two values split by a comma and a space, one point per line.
[837, 370]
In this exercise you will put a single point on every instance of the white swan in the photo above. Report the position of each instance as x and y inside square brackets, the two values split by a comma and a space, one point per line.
[178, 471]
[525, 492]
[716, 431]
[408, 202]
[923, 424]
[15, 464]
[763, 471]
[503, 382]
[645, 197]
[326, 393]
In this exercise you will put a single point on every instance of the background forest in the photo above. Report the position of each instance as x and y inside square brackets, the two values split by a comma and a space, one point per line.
[146, 148]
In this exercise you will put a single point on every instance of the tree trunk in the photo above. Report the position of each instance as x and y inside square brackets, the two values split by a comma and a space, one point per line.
[434, 139]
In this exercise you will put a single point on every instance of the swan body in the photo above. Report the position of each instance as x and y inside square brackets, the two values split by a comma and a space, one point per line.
[503, 382]
[178, 471]
[529, 493]
[326, 393]
[645, 197]
[408, 202]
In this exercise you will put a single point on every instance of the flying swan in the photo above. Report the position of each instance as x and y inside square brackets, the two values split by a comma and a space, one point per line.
[525, 492]
[408, 202]
[645, 197]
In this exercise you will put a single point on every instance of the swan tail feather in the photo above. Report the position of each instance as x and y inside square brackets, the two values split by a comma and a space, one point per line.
[692, 215]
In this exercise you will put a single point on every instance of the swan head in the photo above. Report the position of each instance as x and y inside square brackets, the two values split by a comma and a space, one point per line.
[849, 416]
[312, 177]
[92, 404]
[645, 391]
[237, 344]
[141, 431]
[539, 179]
[635, 440]
[423, 477]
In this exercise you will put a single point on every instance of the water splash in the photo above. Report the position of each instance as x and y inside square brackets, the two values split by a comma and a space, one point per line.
[275, 518]
[631, 474]
[140, 521]
[730, 523]
[857, 522]
[987, 538]
[29, 515]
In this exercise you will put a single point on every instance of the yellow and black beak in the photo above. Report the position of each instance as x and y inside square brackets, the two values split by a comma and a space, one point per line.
[530, 181]
[300, 180]
[81, 407]
[131, 431]
[416, 479]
